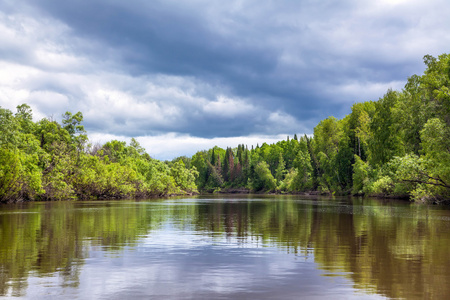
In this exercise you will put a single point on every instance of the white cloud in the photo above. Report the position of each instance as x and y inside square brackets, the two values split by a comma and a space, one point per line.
[359, 91]
[12, 74]
[49, 101]
[227, 107]
[170, 145]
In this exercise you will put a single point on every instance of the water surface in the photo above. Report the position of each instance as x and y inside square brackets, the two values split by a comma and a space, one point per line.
[225, 247]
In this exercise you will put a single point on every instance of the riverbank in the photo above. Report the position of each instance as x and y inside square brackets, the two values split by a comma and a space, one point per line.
[403, 197]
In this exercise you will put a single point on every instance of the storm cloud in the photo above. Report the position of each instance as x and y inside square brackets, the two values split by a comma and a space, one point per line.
[210, 70]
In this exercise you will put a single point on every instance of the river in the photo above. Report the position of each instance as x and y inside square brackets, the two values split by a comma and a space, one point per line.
[225, 247]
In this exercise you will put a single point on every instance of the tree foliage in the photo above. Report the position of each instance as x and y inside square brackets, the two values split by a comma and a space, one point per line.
[46, 160]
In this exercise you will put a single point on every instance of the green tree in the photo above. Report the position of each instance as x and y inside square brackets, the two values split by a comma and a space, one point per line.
[436, 146]
[24, 116]
[9, 129]
[263, 178]
[72, 124]
[327, 136]
[280, 172]
[199, 161]
[184, 178]
[361, 178]
[385, 141]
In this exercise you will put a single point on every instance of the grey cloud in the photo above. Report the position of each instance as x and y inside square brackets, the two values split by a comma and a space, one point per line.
[301, 59]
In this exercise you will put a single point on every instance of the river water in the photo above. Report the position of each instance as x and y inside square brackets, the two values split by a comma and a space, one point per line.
[225, 247]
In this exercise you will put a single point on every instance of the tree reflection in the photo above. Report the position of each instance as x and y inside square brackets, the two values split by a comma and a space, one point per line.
[398, 251]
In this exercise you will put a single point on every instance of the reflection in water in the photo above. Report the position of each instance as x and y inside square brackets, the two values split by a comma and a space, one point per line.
[266, 247]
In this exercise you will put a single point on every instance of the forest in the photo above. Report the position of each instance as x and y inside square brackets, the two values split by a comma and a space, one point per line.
[398, 146]
[51, 161]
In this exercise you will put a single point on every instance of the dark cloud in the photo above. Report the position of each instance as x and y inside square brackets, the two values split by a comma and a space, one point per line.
[158, 38]
[151, 67]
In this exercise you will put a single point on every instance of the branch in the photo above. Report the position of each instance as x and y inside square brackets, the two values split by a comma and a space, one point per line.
[438, 179]
[427, 182]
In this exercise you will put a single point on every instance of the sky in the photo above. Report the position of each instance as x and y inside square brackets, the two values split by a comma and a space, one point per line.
[184, 76]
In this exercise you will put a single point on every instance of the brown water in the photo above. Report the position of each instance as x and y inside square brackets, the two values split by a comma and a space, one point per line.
[225, 247]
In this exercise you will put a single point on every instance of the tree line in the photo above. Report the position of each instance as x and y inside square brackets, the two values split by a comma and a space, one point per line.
[396, 146]
[46, 160]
